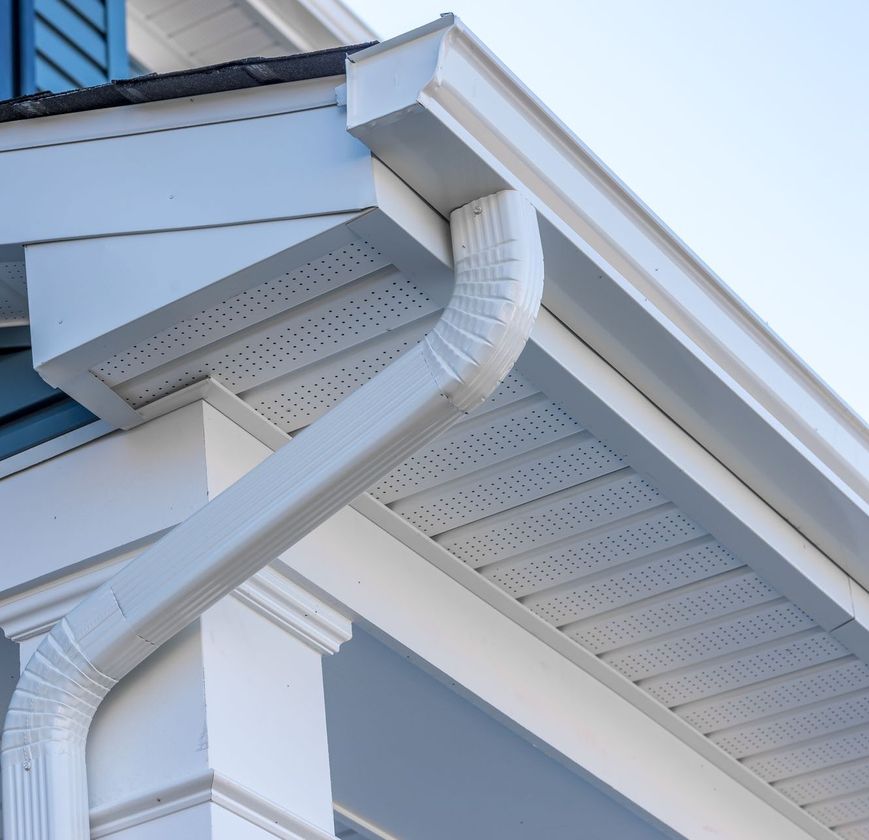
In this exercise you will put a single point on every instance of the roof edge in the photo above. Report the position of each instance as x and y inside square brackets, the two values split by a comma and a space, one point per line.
[154, 87]
[440, 124]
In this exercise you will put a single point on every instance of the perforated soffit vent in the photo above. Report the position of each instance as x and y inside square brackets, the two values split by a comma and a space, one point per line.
[525, 495]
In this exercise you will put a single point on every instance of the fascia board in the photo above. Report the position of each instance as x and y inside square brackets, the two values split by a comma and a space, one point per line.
[582, 382]
[443, 113]
[246, 170]
[166, 114]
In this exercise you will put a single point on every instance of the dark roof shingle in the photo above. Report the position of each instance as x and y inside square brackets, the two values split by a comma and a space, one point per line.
[231, 75]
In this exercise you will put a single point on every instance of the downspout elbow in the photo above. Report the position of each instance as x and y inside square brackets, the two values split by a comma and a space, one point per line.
[45, 734]
[498, 266]
[498, 287]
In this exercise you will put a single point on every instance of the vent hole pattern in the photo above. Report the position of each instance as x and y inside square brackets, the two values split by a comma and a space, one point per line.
[852, 675]
[707, 642]
[808, 757]
[679, 611]
[779, 659]
[243, 310]
[306, 397]
[476, 444]
[838, 781]
[301, 339]
[13, 292]
[593, 554]
[572, 515]
[844, 811]
[526, 482]
[514, 387]
[854, 832]
[842, 714]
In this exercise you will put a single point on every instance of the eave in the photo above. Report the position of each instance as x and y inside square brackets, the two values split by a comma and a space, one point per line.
[454, 121]
[581, 355]
[170, 38]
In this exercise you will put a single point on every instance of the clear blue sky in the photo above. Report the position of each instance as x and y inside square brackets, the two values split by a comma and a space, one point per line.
[744, 124]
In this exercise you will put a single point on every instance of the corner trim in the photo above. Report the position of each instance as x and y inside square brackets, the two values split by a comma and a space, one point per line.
[212, 787]
[296, 611]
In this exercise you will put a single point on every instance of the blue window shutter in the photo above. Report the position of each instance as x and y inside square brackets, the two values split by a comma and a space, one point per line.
[7, 50]
[66, 44]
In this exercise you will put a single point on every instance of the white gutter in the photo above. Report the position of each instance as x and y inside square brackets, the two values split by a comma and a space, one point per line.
[499, 282]
[619, 279]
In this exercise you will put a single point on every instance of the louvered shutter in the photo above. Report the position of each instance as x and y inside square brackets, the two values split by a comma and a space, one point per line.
[58, 45]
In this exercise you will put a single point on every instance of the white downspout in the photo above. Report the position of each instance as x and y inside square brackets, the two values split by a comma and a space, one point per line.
[498, 285]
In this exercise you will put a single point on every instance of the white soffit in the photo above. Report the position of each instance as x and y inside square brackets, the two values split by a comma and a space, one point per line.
[452, 121]
[165, 35]
[544, 512]
[569, 500]
[13, 287]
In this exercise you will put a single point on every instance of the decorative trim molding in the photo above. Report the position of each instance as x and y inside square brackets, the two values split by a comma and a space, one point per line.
[34, 609]
[295, 610]
[365, 828]
[223, 400]
[206, 787]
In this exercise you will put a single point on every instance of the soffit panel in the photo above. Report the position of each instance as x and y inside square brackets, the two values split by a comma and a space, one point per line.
[525, 495]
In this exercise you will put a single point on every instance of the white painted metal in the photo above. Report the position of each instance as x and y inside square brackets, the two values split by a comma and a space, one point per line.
[598, 548]
[568, 500]
[499, 275]
[738, 631]
[567, 513]
[827, 784]
[564, 698]
[513, 427]
[679, 606]
[619, 278]
[289, 289]
[808, 722]
[297, 399]
[508, 484]
[268, 100]
[769, 660]
[277, 347]
[175, 182]
[778, 695]
[88, 514]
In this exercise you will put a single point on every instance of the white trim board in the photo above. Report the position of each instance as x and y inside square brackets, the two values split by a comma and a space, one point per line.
[210, 787]
[453, 122]
[373, 564]
[387, 573]
[557, 703]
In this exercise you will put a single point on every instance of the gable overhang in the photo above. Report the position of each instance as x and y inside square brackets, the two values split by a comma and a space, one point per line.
[636, 336]
[443, 113]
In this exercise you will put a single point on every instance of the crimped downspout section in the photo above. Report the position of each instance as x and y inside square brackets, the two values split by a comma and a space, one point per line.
[499, 281]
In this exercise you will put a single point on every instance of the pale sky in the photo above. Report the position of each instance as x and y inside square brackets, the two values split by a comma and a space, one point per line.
[744, 124]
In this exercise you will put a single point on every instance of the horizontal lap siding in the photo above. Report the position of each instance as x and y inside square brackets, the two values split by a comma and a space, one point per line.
[66, 44]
